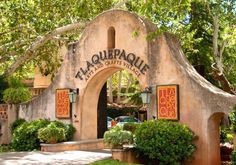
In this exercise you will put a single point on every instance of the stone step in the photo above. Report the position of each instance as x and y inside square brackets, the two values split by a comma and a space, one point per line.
[85, 145]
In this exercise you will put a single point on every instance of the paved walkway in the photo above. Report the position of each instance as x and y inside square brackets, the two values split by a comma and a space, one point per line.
[52, 158]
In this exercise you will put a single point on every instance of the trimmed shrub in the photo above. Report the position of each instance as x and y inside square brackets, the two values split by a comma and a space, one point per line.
[117, 137]
[69, 129]
[5, 148]
[233, 157]
[69, 132]
[167, 142]
[51, 134]
[25, 137]
[16, 124]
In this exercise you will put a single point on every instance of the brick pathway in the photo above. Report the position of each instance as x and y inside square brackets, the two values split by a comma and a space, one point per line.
[55, 158]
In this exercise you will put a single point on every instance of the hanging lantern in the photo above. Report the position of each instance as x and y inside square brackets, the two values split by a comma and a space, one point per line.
[146, 95]
[73, 95]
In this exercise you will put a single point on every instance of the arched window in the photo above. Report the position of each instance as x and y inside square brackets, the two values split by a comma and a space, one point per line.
[111, 37]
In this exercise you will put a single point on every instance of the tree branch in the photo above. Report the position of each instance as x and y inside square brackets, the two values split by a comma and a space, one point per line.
[222, 48]
[40, 41]
[208, 9]
[225, 84]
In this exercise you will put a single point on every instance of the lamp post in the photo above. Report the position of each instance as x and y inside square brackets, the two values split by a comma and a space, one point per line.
[146, 95]
[73, 95]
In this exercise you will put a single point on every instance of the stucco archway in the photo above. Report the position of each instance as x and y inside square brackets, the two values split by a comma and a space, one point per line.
[89, 101]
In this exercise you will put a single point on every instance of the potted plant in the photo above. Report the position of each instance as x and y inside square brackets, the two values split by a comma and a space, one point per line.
[116, 137]
[51, 134]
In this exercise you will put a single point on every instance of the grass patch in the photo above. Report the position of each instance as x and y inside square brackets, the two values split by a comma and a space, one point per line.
[110, 162]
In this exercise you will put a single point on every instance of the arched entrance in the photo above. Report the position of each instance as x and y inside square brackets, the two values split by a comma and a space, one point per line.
[89, 101]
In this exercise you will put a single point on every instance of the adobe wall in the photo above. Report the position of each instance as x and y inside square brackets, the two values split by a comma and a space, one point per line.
[163, 62]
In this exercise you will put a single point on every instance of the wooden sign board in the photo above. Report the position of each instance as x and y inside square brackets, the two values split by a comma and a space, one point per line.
[168, 102]
[62, 103]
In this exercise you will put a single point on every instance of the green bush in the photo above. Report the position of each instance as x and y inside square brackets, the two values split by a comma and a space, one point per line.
[117, 137]
[17, 123]
[232, 116]
[233, 157]
[16, 93]
[5, 148]
[166, 141]
[3, 86]
[69, 129]
[25, 137]
[226, 135]
[51, 134]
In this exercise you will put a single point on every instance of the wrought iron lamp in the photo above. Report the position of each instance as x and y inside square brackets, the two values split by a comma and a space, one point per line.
[73, 95]
[146, 95]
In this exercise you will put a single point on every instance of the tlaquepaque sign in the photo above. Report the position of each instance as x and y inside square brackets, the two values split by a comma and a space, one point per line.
[110, 57]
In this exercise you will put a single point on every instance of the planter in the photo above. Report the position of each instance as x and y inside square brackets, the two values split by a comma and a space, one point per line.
[125, 155]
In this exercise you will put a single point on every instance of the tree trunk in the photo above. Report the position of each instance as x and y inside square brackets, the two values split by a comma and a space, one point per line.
[216, 51]
[218, 70]
[119, 87]
[130, 78]
[110, 89]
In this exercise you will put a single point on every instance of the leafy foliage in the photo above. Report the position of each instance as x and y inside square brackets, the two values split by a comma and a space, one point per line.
[110, 162]
[168, 142]
[226, 135]
[3, 86]
[117, 137]
[6, 148]
[232, 116]
[233, 157]
[51, 134]
[16, 124]
[68, 128]
[25, 137]
[192, 22]
[23, 22]
[16, 93]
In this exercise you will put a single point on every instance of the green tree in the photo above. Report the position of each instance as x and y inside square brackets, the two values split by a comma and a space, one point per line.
[35, 29]
[206, 30]
[16, 93]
